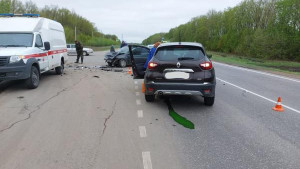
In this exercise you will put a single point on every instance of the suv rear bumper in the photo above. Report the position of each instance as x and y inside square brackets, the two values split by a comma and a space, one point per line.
[164, 88]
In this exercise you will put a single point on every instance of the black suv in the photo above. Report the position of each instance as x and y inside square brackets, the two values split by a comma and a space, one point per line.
[176, 69]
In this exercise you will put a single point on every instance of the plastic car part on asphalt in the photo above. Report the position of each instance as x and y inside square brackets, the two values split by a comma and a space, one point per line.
[179, 119]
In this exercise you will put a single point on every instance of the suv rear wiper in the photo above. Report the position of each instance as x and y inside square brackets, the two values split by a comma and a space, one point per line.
[186, 58]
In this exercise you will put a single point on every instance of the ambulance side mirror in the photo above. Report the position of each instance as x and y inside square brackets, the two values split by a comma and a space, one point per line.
[47, 45]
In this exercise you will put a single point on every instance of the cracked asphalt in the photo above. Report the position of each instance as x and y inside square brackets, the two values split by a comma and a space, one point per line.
[63, 122]
[93, 118]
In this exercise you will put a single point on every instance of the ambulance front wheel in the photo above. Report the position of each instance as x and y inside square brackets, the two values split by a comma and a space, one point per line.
[60, 70]
[34, 80]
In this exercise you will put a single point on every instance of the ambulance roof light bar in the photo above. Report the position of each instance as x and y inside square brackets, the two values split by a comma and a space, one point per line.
[20, 15]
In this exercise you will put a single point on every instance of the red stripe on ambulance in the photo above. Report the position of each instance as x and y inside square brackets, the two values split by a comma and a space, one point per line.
[38, 55]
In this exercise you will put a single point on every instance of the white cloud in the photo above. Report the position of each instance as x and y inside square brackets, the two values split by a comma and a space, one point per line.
[138, 19]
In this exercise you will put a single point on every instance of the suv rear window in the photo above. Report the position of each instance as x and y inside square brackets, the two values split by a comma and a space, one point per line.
[175, 53]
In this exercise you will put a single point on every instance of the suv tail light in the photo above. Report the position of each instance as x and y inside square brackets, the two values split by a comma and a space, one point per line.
[206, 65]
[152, 65]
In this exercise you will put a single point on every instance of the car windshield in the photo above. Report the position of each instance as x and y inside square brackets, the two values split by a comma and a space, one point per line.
[175, 53]
[124, 49]
[16, 39]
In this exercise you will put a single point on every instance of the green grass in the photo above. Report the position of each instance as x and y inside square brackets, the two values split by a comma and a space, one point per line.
[287, 67]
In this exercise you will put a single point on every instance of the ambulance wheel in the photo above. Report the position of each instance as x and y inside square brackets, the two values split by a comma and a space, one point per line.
[34, 80]
[60, 70]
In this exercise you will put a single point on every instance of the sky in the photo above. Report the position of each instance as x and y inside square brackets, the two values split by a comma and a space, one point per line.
[138, 19]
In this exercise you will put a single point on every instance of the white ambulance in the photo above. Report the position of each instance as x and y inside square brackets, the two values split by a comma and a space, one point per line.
[30, 45]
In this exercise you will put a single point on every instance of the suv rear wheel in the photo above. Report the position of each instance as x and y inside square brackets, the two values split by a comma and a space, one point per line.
[209, 101]
[33, 81]
[149, 98]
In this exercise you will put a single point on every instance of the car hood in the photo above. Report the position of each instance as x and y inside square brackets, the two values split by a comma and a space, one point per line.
[12, 51]
[111, 55]
[87, 49]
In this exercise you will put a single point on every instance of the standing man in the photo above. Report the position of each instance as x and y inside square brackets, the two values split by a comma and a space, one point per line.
[151, 54]
[79, 50]
[123, 44]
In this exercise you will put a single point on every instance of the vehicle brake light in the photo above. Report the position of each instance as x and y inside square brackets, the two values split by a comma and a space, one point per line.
[152, 65]
[150, 89]
[206, 65]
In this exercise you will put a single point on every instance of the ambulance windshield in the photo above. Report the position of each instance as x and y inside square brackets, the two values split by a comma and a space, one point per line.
[16, 39]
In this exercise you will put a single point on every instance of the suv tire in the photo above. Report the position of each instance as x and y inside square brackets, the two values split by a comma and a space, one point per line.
[34, 80]
[149, 98]
[209, 101]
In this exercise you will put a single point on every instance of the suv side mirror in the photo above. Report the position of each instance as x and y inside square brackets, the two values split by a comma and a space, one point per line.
[47, 45]
[209, 56]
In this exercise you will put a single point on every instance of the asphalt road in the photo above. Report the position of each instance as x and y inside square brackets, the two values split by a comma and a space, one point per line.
[91, 118]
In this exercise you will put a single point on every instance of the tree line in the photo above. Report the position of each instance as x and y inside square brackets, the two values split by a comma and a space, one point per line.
[268, 29]
[86, 31]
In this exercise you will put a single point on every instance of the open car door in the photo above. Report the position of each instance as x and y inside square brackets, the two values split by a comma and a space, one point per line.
[138, 57]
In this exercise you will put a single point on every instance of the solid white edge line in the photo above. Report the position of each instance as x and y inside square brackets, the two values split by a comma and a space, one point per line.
[140, 113]
[138, 102]
[143, 132]
[147, 160]
[295, 110]
[259, 72]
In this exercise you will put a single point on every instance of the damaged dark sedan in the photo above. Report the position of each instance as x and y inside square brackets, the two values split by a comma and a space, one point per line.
[122, 57]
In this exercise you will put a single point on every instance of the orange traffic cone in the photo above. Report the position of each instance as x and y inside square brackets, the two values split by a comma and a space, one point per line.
[129, 71]
[143, 87]
[278, 106]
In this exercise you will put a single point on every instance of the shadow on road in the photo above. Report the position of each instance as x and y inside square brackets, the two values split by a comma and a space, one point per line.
[19, 85]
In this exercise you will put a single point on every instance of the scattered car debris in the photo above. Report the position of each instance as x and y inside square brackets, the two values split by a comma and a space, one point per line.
[96, 76]
[118, 70]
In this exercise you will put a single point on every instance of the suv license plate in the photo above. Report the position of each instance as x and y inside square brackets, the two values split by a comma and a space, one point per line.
[177, 75]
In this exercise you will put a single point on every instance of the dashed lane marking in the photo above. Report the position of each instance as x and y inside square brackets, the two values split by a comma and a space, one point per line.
[143, 132]
[138, 102]
[147, 160]
[140, 113]
[137, 93]
[295, 110]
[136, 87]
[136, 82]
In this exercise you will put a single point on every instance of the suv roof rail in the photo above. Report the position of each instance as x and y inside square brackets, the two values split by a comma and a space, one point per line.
[19, 15]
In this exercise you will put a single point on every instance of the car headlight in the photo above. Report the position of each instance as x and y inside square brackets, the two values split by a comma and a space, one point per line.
[14, 59]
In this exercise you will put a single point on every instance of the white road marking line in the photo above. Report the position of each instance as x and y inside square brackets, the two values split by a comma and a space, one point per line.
[259, 72]
[143, 132]
[147, 160]
[135, 82]
[138, 102]
[140, 113]
[137, 93]
[136, 87]
[295, 110]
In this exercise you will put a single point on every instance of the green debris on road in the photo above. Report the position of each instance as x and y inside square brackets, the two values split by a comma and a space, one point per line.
[179, 119]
